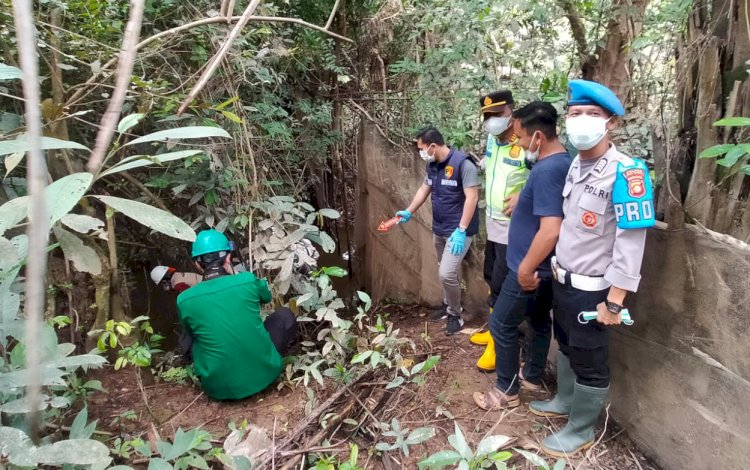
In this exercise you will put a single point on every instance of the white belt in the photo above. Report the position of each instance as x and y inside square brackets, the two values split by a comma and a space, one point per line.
[579, 281]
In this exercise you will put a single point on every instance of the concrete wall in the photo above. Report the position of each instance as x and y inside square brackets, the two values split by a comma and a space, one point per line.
[681, 374]
[401, 264]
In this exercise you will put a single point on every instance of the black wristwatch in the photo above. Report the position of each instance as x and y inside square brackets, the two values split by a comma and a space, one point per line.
[613, 307]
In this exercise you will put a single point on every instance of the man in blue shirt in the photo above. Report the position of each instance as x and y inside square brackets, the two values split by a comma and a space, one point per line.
[534, 228]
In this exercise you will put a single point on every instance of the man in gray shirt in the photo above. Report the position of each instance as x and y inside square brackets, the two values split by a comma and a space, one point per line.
[453, 182]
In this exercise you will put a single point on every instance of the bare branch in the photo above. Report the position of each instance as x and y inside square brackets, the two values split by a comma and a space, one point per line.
[178, 29]
[38, 230]
[219, 56]
[333, 14]
[124, 72]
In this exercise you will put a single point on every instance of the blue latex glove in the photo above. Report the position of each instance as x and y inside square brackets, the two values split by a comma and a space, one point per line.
[457, 241]
[405, 216]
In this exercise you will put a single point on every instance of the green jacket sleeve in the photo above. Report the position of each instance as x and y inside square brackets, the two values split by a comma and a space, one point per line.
[264, 294]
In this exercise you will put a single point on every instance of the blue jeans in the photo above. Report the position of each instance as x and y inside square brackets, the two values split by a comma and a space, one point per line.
[511, 306]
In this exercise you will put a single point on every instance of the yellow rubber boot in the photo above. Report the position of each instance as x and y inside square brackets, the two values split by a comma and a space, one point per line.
[481, 338]
[487, 361]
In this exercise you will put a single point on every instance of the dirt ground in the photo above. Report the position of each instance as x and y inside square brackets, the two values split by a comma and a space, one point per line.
[447, 392]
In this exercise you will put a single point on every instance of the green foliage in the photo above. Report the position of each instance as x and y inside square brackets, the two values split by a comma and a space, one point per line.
[403, 438]
[138, 353]
[735, 157]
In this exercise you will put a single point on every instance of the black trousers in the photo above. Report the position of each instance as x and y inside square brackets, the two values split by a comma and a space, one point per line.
[281, 326]
[586, 345]
[495, 268]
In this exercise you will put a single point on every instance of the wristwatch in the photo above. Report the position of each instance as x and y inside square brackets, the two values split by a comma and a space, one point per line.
[613, 307]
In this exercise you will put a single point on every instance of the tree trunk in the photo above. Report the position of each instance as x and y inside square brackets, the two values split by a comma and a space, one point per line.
[713, 83]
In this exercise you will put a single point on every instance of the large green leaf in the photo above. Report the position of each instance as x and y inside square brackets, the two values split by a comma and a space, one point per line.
[190, 132]
[10, 303]
[716, 150]
[440, 460]
[152, 217]
[17, 445]
[145, 160]
[21, 405]
[128, 122]
[73, 452]
[8, 72]
[9, 261]
[82, 223]
[491, 444]
[156, 463]
[63, 194]
[84, 257]
[48, 143]
[733, 156]
[13, 212]
[12, 160]
[733, 122]
[458, 441]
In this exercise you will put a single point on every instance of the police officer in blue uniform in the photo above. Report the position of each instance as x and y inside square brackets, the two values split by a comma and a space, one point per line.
[608, 205]
[453, 181]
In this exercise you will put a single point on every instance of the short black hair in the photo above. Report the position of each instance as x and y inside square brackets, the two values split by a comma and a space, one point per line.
[429, 135]
[538, 116]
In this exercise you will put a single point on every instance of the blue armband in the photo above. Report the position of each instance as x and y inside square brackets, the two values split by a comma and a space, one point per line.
[633, 196]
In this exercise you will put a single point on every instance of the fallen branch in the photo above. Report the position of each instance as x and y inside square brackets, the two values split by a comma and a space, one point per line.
[124, 72]
[332, 15]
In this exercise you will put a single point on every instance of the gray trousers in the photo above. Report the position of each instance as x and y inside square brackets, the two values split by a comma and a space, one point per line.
[450, 267]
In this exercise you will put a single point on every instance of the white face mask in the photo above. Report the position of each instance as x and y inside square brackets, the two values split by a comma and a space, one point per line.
[533, 155]
[426, 156]
[584, 131]
[496, 125]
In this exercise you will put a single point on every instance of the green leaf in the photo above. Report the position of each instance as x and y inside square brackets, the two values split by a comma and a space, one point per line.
[182, 444]
[21, 405]
[458, 441]
[440, 460]
[491, 443]
[73, 452]
[227, 103]
[330, 213]
[745, 169]
[534, 459]
[560, 464]
[420, 435]
[716, 150]
[190, 132]
[152, 217]
[335, 271]
[48, 143]
[12, 161]
[232, 117]
[327, 242]
[84, 257]
[8, 72]
[364, 297]
[733, 156]
[361, 357]
[17, 445]
[82, 223]
[63, 194]
[733, 122]
[138, 161]
[13, 212]
[79, 424]
[395, 383]
[425, 366]
[128, 122]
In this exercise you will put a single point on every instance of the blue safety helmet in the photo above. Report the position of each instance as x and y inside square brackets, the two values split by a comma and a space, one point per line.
[584, 92]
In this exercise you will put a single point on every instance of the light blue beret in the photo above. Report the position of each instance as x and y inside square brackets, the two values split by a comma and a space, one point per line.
[584, 92]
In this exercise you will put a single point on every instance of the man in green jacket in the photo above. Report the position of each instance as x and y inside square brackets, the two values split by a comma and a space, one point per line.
[236, 354]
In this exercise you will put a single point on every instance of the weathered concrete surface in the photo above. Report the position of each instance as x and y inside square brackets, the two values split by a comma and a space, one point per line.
[681, 374]
[401, 264]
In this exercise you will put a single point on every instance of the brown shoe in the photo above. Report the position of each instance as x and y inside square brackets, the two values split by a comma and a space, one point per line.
[526, 385]
[495, 400]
